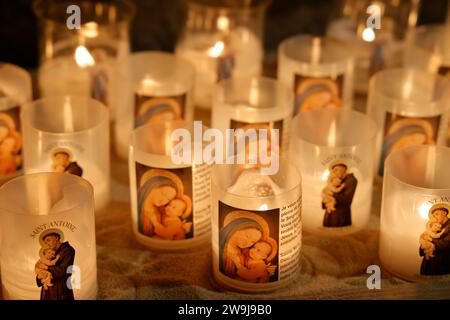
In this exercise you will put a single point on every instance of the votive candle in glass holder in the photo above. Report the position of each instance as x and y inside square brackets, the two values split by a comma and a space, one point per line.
[170, 199]
[69, 134]
[318, 70]
[222, 40]
[256, 226]
[253, 103]
[90, 60]
[334, 150]
[410, 107]
[48, 249]
[161, 90]
[415, 212]
[15, 89]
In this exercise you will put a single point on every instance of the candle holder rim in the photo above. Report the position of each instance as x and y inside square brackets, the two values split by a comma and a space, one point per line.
[4, 105]
[127, 17]
[371, 122]
[343, 58]
[429, 30]
[242, 8]
[76, 180]
[407, 184]
[432, 104]
[100, 106]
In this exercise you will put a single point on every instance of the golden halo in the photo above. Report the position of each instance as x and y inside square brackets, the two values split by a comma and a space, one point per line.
[237, 214]
[162, 173]
[175, 107]
[8, 120]
[439, 205]
[62, 150]
[336, 162]
[426, 125]
[307, 83]
[48, 231]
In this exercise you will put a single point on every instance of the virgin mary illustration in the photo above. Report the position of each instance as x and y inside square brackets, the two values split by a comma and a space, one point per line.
[246, 250]
[406, 132]
[164, 211]
[316, 93]
[10, 145]
[156, 110]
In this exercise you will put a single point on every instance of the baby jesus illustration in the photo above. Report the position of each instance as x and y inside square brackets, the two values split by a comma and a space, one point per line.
[334, 185]
[172, 221]
[254, 268]
[433, 231]
[47, 257]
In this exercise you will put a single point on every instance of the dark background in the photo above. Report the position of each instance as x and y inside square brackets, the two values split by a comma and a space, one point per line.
[158, 22]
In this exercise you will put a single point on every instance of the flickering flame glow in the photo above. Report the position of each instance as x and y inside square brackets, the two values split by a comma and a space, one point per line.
[90, 30]
[223, 23]
[217, 49]
[423, 210]
[83, 57]
[368, 35]
[264, 207]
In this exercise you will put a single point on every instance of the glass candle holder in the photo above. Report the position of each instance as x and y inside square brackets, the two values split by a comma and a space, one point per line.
[337, 169]
[161, 90]
[222, 40]
[48, 247]
[410, 107]
[319, 72]
[90, 60]
[170, 200]
[69, 134]
[15, 89]
[415, 219]
[372, 49]
[256, 226]
[253, 103]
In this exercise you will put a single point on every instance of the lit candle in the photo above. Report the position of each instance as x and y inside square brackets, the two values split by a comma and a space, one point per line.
[337, 169]
[71, 135]
[15, 89]
[161, 90]
[48, 249]
[318, 71]
[170, 201]
[415, 213]
[409, 107]
[256, 227]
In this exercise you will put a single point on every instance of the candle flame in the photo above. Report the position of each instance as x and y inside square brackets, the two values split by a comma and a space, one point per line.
[217, 49]
[263, 207]
[83, 58]
[223, 23]
[90, 30]
[423, 210]
[368, 35]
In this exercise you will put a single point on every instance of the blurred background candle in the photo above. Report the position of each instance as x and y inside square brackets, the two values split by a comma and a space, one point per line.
[161, 90]
[69, 134]
[256, 227]
[91, 60]
[222, 39]
[410, 107]
[15, 89]
[170, 201]
[253, 103]
[319, 71]
[48, 249]
[415, 212]
[337, 168]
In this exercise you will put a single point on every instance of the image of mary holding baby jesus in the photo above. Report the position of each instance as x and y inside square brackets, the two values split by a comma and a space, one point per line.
[164, 210]
[247, 252]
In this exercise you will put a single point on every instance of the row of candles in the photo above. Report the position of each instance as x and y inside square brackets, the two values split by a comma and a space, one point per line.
[255, 220]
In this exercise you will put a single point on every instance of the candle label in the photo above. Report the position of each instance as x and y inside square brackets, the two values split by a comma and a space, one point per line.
[10, 141]
[259, 246]
[168, 198]
[435, 240]
[317, 92]
[225, 66]
[63, 160]
[151, 109]
[55, 263]
[234, 124]
[338, 192]
[400, 131]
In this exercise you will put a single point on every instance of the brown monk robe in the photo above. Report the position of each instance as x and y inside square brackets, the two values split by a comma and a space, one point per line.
[59, 290]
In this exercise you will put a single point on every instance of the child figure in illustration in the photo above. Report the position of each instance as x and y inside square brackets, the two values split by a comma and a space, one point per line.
[172, 219]
[256, 263]
[433, 231]
[334, 185]
[47, 257]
